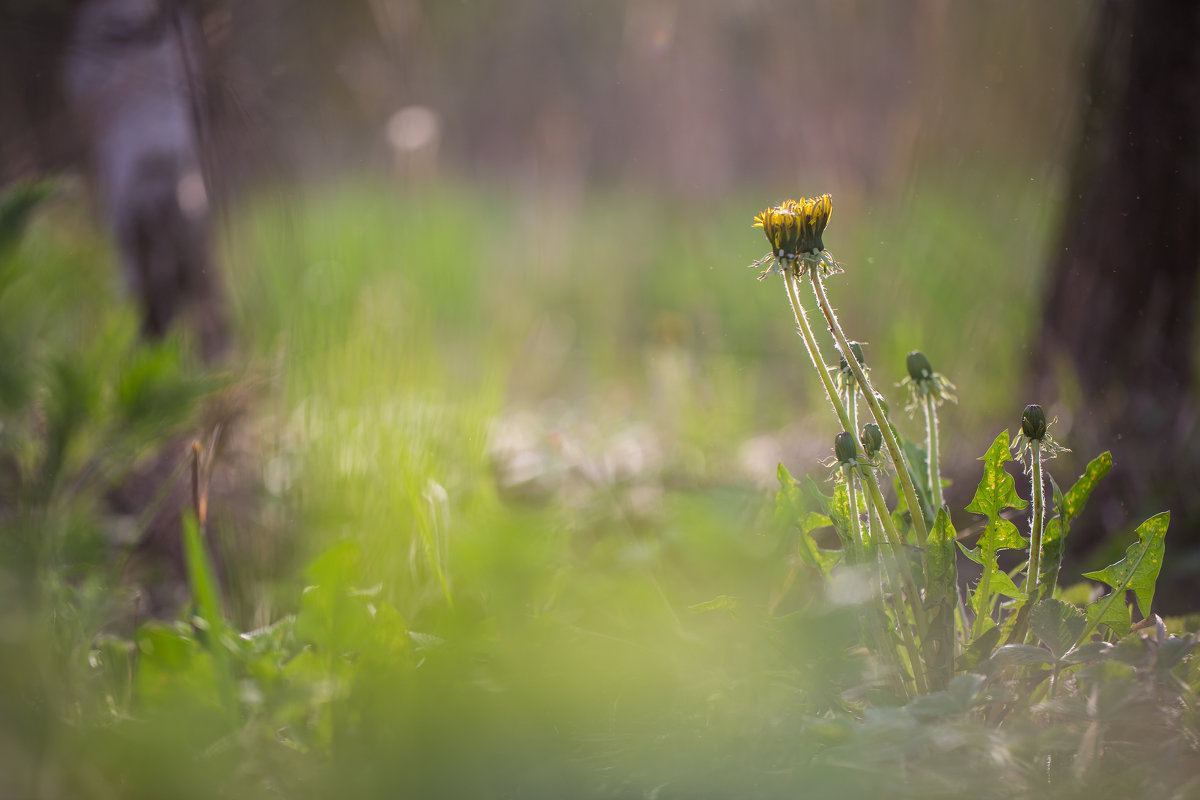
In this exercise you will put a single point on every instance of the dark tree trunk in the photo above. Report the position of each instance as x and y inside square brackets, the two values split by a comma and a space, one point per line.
[1117, 346]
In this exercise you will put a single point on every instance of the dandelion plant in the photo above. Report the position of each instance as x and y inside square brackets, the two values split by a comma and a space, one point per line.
[938, 633]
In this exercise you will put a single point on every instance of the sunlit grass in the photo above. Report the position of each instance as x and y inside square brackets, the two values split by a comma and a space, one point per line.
[616, 602]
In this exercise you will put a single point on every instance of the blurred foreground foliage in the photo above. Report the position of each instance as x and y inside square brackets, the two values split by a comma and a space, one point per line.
[587, 608]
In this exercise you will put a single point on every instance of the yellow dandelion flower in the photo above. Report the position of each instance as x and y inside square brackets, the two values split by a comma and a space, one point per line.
[794, 229]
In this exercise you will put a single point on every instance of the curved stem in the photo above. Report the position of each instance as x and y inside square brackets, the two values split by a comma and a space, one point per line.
[814, 352]
[935, 472]
[1036, 523]
[899, 608]
[893, 538]
[889, 438]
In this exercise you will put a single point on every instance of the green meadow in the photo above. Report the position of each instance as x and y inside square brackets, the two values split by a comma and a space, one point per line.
[495, 512]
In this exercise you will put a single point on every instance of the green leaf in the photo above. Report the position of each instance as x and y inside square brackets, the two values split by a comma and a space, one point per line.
[206, 596]
[1109, 610]
[962, 695]
[1068, 507]
[790, 510]
[981, 647]
[999, 583]
[814, 556]
[1138, 570]
[1000, 534]
[996, 491]
[1054, 537]
[1022, 655]
[941, 580]
[1077, 496]
[918, 470]
[789, 500]
[1173, 651]
[1058, 625]
[1089, 652]
[839, 513]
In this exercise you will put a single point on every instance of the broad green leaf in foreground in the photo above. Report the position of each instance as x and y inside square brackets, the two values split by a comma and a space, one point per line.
[819, 558]
[1057, 624]
[1136, 572]
[1068, 508]
[996, 492]
[1022, 655]
[790, 511]
[1078, 494]
[941, 578]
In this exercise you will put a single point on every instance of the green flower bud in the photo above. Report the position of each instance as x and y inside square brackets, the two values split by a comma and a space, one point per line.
[919, 368]
[845, 448]
[871, 438]
[1033, 422]
[856, 348]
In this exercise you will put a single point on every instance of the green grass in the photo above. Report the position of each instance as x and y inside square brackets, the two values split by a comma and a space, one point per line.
[628, 621]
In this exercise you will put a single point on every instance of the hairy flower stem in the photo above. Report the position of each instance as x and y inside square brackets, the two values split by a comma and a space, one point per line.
[814, 352]
[889, 438]
[935, 472]
[855, 519]
[902, 622]
[905, 579]
[871, 486]
[852, 408]
[1037, 521]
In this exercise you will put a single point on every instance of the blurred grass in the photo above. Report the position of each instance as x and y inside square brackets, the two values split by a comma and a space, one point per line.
[398, 325]
[453, 638]
[369, 293]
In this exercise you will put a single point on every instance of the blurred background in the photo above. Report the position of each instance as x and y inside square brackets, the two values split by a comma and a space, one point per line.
[562, 193]
[456, 293]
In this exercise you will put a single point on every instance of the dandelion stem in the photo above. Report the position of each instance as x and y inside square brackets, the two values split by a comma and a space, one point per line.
[1037, 521]
[897, 456]
[898, 608]
[814, 352]
[855, 521]
[871, 486]
[852, 406]
[919, 620]
[935, 472]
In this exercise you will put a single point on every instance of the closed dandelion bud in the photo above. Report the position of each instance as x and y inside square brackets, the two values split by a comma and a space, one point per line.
[1033, 422]
[919, 367]
[872, 439]
[845, 448]
[855, 348]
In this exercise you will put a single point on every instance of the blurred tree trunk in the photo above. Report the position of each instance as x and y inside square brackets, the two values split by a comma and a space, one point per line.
[1117, 344]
